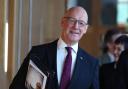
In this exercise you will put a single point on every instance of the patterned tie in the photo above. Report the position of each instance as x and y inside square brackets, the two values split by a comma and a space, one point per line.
[66, 74]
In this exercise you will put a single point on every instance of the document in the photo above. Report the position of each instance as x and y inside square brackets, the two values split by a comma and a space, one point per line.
[35, 79]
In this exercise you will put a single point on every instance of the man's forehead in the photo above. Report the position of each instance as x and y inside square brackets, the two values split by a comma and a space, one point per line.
[77, 11]
[78, 14]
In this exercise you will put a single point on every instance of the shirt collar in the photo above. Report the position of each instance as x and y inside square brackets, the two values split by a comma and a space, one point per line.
[62, 44]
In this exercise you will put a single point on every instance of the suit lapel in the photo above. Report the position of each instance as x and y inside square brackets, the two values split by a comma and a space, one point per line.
[52, 56]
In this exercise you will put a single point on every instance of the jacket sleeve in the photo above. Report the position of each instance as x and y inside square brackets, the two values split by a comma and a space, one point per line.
[19, 80]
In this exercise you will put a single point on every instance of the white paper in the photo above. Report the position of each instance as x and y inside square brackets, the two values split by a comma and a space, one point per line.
[34, 76]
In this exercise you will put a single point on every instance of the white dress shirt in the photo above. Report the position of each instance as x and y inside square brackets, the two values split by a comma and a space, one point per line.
[61, 55]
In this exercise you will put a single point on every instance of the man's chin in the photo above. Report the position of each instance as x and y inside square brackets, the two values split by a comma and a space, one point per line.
[74, 40]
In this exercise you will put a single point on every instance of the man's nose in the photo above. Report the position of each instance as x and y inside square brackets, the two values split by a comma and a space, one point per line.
[76, 25]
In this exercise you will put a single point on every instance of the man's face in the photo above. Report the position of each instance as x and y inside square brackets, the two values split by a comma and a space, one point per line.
[74, 26]
[118, 49]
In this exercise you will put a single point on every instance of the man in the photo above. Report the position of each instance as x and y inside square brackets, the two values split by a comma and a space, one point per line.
[122, 57]
[50, 57]
[123, 68]
[109, 74]
[107, 55]
[121, 44]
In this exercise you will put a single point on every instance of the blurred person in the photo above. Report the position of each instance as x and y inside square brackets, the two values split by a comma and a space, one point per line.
[107, 55]
[52, 57]
[109, 74]
[121, 44]
[122, 67]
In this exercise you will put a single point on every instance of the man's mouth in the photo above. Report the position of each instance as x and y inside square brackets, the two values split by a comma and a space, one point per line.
[75, 32]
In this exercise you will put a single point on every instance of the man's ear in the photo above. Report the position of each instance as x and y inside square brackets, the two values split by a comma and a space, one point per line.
[86, 27]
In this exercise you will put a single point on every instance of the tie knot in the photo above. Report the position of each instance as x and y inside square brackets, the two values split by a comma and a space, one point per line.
[68, 49]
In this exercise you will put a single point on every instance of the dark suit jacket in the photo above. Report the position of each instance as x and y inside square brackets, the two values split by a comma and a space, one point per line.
[85, 74]
[123, 67]
[108, 76]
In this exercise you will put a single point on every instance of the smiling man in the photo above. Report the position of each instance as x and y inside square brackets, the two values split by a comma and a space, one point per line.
[74, 25]
[65, 64]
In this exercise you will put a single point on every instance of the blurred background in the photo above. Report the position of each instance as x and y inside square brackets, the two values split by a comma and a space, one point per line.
[24, 23]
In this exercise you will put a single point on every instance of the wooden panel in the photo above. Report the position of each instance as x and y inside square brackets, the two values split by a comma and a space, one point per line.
[1, 31]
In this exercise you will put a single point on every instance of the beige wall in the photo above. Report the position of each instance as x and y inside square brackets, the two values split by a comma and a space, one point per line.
[1, 32]
[32, 22]
[90, 42]
[11, 33]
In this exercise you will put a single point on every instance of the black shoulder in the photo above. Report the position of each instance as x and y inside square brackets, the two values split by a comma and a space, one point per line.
[42, 47]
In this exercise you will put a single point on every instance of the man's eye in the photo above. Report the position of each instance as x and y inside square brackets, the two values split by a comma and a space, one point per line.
[81, 23]
[71, 20]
